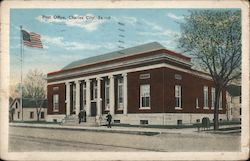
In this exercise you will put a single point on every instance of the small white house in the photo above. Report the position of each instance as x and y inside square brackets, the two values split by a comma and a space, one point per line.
[29, 110]
[234, 102]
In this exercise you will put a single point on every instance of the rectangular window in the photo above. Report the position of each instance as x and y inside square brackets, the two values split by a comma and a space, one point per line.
[42, 115]
[197, 102]
[143, 122]
[31, 115]
[220, 105]
[55, 102]
[205, 90]
[177, 96]
[145, 96]
[212, 97]
[74, 97]
[179, 122]
[120, 93]
[55, 88]
[18, 115]
[95, 90]
[107, 95]
[84, 94]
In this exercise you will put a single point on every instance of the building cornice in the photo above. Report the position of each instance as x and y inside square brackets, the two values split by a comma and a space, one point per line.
[160, 65]
[170, 53]
[123, 64]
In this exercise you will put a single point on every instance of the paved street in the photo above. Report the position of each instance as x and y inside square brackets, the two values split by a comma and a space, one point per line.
[46, 139]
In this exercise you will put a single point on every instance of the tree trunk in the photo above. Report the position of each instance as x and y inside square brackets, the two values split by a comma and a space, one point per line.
[216, 108]
[38, 116]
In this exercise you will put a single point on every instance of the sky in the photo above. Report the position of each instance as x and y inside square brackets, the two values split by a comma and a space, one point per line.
[72, 34]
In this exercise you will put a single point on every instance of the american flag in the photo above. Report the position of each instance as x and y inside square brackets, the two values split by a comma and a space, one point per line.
[32, 39]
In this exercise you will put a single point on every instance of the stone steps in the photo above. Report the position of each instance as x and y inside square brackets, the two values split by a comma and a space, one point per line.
[90, 121]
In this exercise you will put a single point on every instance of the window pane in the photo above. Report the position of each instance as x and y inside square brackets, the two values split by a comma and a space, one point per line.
[145, 95]
[212, 97]
[205, 96]
[147, 101]
[177, 96]
[143, 102]
[177, 102]
[55, 102]
[107, 94]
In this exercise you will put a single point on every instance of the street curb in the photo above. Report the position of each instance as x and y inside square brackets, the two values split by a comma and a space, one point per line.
[141, 132]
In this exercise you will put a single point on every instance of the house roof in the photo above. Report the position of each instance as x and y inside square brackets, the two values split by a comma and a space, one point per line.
[234, 90]
[121, 53]
[30, 103]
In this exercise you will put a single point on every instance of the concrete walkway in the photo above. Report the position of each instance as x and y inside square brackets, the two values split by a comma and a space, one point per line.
[119, 129]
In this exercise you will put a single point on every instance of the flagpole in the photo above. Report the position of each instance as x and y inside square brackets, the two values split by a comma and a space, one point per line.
[21, 84]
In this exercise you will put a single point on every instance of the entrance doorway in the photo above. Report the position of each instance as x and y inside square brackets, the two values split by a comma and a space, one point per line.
[93, 109]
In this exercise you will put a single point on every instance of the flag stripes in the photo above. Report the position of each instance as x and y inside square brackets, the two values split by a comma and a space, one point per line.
[32, 39]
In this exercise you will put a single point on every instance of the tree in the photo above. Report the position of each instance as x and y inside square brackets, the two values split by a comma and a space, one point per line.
[34, 87]
[213, 39]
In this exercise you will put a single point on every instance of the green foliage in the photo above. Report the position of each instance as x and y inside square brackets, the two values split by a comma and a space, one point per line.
[213, 38]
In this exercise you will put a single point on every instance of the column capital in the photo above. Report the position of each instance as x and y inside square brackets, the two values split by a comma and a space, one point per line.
[67, 83]
[77, 81]
[99, 78]
[87, 80]
[124, 74]
[110, 76]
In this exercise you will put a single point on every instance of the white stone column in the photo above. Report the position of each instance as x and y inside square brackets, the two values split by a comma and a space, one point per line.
[67, 98]
[112, 94]
[77, 97]
[125, 94]
[98, 102]
[88, 103]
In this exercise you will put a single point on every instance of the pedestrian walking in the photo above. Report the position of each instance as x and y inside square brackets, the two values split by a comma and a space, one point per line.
[84, 116]
[109, 119]
[80, 116]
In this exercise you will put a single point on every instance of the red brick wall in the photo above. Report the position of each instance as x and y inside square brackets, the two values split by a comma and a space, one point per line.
[192, 87]
[162, 90]
[61, 91]
[156, 90]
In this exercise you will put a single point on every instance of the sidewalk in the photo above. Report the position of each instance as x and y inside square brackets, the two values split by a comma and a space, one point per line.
[116, 129]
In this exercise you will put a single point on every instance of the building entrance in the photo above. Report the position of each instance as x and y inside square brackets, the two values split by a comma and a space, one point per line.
[93, 109]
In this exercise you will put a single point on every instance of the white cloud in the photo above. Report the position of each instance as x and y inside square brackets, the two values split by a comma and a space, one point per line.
[60, 42]
[152, 25]
[175, 17]
[126, 20]
[88, 22]
[130, 20]
[162, 32]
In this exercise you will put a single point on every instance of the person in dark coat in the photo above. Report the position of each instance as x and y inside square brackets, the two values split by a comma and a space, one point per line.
[80, 116]
[84, 116]
[109, 119]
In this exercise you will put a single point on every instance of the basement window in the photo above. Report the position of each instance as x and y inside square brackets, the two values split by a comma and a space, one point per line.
[143, 122]
[117, 121]
[179, 122]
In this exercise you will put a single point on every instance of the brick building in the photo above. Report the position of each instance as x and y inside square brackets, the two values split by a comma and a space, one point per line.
[146, 84]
